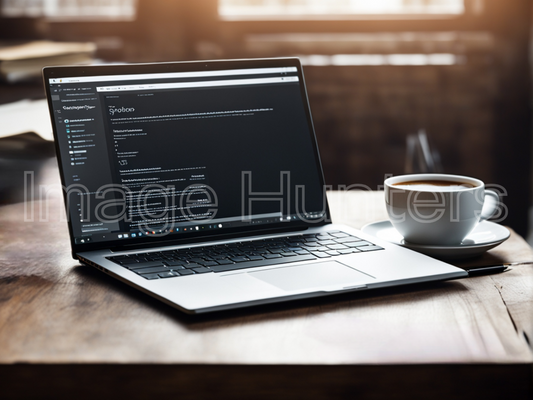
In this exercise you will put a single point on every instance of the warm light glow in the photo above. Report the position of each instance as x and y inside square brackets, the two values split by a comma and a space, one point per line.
[68, 9]
[381, 59]
[240, 9]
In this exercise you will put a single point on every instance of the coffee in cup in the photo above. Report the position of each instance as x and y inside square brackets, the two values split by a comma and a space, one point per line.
[436, 209]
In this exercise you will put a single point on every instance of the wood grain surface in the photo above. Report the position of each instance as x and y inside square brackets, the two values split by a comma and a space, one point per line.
[55, 312]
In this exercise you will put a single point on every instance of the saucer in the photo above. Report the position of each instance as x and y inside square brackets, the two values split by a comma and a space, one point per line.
[485, 236]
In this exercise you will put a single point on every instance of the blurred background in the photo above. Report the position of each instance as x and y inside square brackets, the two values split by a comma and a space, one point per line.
[395, 85]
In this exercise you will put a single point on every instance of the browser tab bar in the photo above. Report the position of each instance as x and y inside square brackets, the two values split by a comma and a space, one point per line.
[197, 74]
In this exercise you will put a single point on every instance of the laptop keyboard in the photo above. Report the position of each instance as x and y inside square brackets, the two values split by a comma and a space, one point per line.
[235, 256]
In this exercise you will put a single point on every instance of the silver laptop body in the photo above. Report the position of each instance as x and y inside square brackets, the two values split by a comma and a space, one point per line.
[200, 184]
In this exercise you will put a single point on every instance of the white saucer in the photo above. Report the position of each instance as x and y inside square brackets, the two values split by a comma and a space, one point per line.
[485, 236]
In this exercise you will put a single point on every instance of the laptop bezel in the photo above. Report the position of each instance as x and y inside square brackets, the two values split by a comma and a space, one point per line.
[184, 66]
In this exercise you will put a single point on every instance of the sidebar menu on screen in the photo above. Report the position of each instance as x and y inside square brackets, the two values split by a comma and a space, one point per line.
[81, 136]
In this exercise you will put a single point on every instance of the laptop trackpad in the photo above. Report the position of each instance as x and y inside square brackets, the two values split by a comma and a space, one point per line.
[312, 275]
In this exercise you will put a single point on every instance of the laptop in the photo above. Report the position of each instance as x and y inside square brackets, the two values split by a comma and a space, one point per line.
[200, 184]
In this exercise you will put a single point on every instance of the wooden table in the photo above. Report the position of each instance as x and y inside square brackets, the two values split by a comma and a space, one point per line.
[69, 331]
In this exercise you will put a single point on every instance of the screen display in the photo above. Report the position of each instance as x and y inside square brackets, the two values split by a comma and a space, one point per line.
[180, 153]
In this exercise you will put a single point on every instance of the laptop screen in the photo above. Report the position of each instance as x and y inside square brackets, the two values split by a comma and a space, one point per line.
[178, 150]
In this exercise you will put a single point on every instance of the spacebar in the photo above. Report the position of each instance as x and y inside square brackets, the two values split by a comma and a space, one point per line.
[261, 263]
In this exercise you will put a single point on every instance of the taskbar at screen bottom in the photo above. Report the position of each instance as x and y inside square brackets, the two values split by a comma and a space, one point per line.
[197, 226]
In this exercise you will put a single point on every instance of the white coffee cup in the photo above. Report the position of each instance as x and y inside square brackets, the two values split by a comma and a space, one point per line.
[437, 209]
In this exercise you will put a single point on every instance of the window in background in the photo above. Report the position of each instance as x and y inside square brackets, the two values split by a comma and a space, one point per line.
[70, 9]
[314, 9]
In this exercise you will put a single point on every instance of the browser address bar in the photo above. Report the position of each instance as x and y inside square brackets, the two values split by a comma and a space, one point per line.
[183, 85]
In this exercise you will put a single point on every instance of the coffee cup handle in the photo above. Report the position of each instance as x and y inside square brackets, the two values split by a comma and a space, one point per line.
[490, 204]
